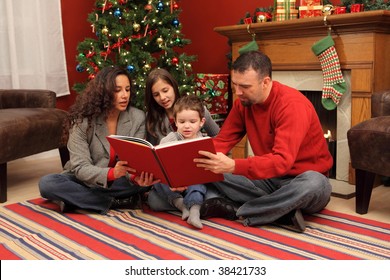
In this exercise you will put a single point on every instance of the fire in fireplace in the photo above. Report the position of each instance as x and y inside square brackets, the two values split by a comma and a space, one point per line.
[328, 121]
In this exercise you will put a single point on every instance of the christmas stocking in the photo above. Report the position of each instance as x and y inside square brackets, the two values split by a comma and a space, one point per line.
[334, 83]
[251, 46]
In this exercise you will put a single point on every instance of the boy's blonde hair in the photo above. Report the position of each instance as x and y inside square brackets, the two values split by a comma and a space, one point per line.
[189, 102]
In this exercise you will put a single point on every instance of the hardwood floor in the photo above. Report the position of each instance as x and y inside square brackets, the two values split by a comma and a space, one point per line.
[24, 175]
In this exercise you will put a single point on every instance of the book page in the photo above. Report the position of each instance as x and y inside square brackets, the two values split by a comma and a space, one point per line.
[132, 139]
[181, 142]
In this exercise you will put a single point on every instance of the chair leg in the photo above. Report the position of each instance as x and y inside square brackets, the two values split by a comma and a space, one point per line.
[64, 155]
[364, 184]
[3, 182]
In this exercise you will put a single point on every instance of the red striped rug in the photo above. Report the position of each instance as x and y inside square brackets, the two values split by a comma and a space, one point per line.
[32, 230]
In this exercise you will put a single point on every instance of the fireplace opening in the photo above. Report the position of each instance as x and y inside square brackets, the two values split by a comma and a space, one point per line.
[328, 119]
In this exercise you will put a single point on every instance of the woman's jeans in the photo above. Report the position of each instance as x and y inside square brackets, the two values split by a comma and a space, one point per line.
[67, 188]
[265, 201]
[194, 194]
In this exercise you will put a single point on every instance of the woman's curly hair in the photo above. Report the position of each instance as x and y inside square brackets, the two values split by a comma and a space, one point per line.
[98, 97]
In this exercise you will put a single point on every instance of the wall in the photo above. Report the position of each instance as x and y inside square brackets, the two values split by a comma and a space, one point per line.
[75, 29]
[198, 18]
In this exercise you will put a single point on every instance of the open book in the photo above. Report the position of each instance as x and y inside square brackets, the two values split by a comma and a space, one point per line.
[171, 162]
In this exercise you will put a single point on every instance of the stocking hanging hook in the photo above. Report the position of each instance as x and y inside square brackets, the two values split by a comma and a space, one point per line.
[248, 28]
[327, 25]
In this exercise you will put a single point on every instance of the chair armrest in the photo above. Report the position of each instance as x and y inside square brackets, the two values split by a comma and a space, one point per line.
[27, 98]
[380, 104]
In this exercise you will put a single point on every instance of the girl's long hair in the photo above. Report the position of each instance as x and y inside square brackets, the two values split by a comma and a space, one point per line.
[155, 113]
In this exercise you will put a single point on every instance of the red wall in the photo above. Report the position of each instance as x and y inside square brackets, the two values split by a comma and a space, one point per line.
[198, 17]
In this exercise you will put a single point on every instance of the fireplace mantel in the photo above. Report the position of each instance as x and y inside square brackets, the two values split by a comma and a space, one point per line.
[362, 41]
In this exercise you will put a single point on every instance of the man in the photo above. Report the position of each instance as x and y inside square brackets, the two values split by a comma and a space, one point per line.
[288, 173]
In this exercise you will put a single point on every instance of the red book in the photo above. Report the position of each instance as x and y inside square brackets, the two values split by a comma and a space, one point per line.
[172, 163]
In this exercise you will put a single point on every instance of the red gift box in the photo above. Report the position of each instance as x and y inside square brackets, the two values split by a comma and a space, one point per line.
[309, 2]
[214, 90]
[310, 11]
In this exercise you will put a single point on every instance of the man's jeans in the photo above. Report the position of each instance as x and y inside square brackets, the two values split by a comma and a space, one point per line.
[67, 188]
[265, 201]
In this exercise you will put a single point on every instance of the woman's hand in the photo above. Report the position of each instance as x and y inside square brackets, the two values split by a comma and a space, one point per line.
[121, 169]
[145, 179]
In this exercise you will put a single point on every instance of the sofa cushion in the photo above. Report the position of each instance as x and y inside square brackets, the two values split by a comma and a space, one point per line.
[369, 145]
[27, 131]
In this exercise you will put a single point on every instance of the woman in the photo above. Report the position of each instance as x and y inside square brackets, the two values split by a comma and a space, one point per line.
[93, 178]
[161, 93]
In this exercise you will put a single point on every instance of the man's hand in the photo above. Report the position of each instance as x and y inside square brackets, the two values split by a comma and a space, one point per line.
[216, 163]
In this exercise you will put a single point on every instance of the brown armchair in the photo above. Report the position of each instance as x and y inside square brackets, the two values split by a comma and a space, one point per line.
[369, 146]
[30, 123]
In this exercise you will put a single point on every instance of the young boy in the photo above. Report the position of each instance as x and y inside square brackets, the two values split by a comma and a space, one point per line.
[188, 113]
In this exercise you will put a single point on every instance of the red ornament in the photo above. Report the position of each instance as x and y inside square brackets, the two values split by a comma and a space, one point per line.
[91, 76]
[175, 61]
[175, 6]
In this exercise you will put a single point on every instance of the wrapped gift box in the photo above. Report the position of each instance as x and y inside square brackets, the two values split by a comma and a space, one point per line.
[310, 2]
[214, 90]
[310, 11]
[282, 14]
[284, 10]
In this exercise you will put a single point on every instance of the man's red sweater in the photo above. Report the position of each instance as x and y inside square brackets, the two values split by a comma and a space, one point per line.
[284, 132]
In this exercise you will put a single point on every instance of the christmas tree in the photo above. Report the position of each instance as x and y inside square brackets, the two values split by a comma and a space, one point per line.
[138, 35]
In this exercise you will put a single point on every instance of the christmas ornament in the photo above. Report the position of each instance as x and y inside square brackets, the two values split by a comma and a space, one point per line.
[160, 41]
[334, 83]
[175, 6]
[148, 7]
[91, 76]
[130, 68]
[122, 2]
[175, 61]
[105, 30]
[79, 68]
[147, 67]
[175, 22]
[81, 55]
[117, 13]
[136, 27]
[160, 6]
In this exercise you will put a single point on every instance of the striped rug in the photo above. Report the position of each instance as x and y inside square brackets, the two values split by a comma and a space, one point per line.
[36, 230]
